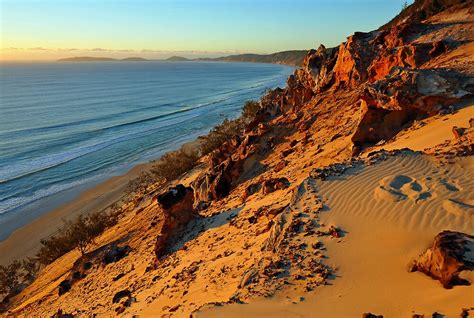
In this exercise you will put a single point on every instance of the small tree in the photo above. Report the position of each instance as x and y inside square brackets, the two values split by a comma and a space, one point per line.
[250, 109]
[80, 233]
[219, 134]
[172, 164]
[10, 278]
[30, 268]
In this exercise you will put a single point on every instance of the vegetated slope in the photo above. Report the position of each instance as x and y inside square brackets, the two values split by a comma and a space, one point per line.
[267, 213]
[293, 58]
[177, 58]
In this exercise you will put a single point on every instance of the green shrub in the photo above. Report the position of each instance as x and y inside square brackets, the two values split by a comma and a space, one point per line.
[250, 109]
[10, 278]
[30, 268]
[220, 134]
[173, 164]
[79, 233]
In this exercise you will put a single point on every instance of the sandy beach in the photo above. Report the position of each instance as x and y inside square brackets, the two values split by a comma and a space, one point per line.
[347, 193]
[25, 241]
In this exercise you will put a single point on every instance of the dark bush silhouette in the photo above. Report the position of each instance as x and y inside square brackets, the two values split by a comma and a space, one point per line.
[219, 134]
[228, 128]
[172, 164]
[10, 278]
[250, 109]
[79, 233]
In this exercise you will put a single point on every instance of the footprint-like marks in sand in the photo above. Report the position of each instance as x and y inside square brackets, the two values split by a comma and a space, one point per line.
[458, 207]
[450, 185]
[401, 187]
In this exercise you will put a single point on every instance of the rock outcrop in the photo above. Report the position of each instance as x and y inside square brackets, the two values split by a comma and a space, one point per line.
[225, 166]
[450, 254]
[177, 206]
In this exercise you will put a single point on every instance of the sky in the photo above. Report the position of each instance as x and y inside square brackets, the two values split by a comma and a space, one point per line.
[52, 29]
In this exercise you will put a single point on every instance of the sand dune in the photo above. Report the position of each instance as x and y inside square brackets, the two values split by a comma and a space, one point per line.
[384, 231]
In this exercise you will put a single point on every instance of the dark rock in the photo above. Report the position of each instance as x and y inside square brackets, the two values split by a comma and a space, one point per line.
[287, 152]
[121, 294]
[61, 314]
[251, 189]
[173, 196]
[280, 166]
[76, 275]
[178, 210]
[116, 278]
[273, 184]
[115, 253]
[64, 287]
[447, 258]
[86, 266]
[370, 315]
[458, 132]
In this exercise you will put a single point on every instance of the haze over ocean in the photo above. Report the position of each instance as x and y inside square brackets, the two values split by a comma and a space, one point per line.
[63, 125]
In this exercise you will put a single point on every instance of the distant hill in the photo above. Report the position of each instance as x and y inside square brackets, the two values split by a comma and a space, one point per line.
[293, 58]
[177, 58]
[134, 59]
[100, 59]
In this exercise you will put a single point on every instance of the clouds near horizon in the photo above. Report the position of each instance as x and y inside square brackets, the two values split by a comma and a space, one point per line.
[32, 29]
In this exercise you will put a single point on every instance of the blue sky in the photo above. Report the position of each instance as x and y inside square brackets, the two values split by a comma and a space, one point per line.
[202, 27]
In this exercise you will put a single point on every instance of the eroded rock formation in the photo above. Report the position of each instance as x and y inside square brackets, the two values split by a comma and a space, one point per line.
[177, 206]
[450, 254]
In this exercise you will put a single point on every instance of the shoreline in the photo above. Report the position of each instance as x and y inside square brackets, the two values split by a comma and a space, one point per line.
[24, 241]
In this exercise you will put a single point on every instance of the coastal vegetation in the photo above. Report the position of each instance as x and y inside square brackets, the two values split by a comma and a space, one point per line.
[80, 233]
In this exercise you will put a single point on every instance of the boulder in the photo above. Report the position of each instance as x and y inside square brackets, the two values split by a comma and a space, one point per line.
[177, 204]
[121, 294]
[457, 132]
[371, 315]
[449, 255]
[273, 184]
[115, 253]
[64, 287]
[173, 196]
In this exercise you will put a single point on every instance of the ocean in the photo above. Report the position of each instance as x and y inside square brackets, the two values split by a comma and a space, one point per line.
[64, 125]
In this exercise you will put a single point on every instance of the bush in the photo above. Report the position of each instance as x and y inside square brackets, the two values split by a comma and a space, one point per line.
[220, 134]
[10, 278]
[79, 233]
[30, 268]
[141, 183]
[229, 128]
[173, 164]
[250, 109]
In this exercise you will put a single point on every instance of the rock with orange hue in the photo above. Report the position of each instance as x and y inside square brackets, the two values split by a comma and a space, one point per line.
[449, 255]
[458, 132]
[177, 206]
[273, 184]
[225, 166]
[318, 64]
[411, 56]
[405, 95]
[353, 60]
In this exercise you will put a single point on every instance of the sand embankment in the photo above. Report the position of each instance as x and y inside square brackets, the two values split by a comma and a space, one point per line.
[24, 241]
[390, 213]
